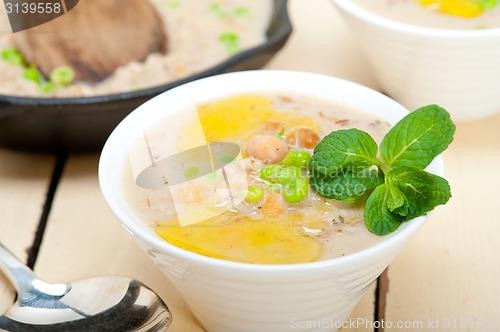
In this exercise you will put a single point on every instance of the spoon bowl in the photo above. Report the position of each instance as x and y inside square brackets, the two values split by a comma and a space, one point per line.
[108, 303]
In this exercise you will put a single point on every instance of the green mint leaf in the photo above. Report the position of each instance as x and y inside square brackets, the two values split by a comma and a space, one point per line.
[345, 185]
[423, 190]
[396, 200]
[343, 148]
[378, 218]
[418, 138]
[341, 162]
[403, 210]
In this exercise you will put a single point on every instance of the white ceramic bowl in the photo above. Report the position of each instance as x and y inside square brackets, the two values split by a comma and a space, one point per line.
[231, 296]
[457, 69]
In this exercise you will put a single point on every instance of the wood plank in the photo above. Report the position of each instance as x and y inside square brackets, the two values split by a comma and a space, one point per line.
[24, 181]
[450, 271]
[364, 313]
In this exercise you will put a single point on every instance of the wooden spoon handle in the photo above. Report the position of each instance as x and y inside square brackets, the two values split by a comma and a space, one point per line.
[95, 38]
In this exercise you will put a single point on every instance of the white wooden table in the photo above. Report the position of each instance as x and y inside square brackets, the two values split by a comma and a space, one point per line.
[447, 276]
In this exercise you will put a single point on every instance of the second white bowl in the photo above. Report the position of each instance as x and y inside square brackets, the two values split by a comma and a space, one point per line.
[457, 69]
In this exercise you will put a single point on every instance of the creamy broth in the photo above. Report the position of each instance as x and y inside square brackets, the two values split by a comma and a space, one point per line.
[414, 13]
[194, 29]
[270, 231]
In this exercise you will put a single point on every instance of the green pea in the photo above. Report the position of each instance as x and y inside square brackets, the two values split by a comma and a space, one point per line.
[230, 41]
[241, 11]
[14, 57]
[62, 75]
[228, 37]
[48, 87]
[33, 74]
[297, 158]
[254, 194]
[288, 174]
[276, 187]
[214, 7]
[270, 173]
[173, 5]
[192, 172]
[296, 190]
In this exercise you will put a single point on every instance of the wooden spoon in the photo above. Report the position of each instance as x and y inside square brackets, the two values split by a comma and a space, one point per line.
[95, 38]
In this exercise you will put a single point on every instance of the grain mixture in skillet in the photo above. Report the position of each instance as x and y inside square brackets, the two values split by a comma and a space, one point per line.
[201, 34]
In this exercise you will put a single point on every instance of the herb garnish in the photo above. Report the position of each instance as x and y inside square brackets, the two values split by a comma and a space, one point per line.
[342, 168]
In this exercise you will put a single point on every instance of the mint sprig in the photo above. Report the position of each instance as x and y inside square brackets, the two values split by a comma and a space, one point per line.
[418, 138]
[342, 149]
[349, 184]
[423, 191]
[342, 168]
[380, 220]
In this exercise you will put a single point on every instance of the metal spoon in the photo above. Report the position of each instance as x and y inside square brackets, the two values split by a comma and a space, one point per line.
[95, 304]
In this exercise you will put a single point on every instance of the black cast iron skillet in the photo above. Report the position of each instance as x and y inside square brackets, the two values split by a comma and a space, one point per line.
[83, 124]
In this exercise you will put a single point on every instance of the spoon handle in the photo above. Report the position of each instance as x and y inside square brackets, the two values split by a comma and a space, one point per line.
[18, 273]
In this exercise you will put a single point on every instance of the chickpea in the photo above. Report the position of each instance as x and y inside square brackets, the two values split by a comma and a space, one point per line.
[303, 137]
[273, 205]
[267, 148]
[272, 127]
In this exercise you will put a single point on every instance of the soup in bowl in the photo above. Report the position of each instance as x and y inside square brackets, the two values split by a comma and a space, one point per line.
[425, 52]
[247, 236]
